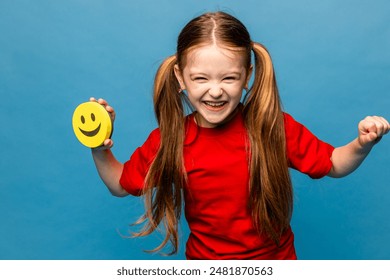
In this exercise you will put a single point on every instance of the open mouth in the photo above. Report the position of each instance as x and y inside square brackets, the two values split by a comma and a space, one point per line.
[215, 105]
[91, 133]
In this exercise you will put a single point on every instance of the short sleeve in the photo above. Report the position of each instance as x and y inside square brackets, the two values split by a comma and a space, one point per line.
[136, 168]
[306, 153]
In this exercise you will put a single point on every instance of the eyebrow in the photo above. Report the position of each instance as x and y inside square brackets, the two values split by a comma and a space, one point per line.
[224, 74]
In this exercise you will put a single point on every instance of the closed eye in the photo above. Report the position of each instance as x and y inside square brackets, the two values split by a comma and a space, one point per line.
[199, 79]
[231, 79]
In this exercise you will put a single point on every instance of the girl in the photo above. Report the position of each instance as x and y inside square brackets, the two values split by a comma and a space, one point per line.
[228, 159]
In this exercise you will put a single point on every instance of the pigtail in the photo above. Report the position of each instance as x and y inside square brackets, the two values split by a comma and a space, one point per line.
[166, 176]
[270, 184]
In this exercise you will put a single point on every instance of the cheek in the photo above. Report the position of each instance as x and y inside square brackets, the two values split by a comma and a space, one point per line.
[196, 90]
[235, 91]
[192, 98]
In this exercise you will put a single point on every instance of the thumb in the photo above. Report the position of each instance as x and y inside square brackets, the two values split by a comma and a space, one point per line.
[107, 144]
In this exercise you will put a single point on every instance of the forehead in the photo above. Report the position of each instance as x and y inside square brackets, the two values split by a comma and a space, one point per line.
[213, 55]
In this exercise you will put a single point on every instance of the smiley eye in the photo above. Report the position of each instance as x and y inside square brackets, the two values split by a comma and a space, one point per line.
[93, 117]
[82, 119]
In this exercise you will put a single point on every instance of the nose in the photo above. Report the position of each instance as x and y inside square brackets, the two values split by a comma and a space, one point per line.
[215, 92]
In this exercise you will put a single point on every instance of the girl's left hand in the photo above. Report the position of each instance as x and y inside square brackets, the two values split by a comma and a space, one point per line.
[371, 130]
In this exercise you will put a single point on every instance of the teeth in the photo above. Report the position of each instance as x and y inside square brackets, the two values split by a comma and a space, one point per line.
[214, 104]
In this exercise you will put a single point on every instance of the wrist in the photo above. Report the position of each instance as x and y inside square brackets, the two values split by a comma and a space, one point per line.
[363, 147]
[101, 153]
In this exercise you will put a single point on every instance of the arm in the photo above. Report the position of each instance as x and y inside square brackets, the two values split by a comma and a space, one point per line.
[110, 170]
[348, 158]
[108, 167]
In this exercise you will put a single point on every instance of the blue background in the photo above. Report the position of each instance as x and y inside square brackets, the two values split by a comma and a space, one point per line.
[332, 62]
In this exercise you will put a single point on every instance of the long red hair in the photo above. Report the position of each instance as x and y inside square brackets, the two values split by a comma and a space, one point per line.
[270, 198]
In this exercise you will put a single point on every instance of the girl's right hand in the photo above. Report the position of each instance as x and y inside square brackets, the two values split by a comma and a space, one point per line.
[108, 143]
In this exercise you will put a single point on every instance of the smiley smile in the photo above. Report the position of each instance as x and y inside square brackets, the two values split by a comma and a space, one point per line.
[91, 133]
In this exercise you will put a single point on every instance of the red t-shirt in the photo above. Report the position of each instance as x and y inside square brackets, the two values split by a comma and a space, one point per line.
[216, 196]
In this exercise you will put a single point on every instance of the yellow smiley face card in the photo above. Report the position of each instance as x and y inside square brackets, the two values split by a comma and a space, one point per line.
[91, 124]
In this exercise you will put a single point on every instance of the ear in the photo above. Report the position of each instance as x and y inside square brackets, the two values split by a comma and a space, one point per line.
[248, 76]
[179, 77]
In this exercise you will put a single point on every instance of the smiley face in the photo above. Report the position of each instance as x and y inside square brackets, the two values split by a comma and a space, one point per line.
[91, 124]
